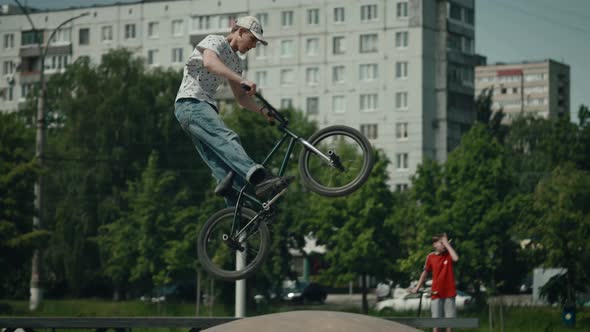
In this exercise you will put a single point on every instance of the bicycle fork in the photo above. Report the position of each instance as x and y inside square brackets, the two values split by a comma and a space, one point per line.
[332, 158]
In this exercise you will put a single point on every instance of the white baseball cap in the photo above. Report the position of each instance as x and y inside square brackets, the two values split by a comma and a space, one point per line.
[252, 24]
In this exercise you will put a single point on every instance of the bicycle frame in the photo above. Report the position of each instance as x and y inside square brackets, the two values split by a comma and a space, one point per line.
[288, 135]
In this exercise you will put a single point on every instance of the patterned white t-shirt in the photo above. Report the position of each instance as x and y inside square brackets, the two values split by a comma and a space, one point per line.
[197, 81]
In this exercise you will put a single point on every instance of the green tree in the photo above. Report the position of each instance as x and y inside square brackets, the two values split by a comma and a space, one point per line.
[18, 171]
[359, 241]
[105, 121]
[470, 199]
[561, 224]
[153, 240]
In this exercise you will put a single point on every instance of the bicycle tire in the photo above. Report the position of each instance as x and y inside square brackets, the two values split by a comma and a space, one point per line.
[342, 186]
[224, 270]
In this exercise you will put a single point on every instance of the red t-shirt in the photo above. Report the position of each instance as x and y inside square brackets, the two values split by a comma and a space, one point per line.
[443, 279]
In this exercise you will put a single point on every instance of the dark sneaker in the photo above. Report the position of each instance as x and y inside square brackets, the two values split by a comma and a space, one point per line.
[272, 186]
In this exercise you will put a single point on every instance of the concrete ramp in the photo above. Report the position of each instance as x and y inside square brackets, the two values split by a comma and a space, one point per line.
[316, 321]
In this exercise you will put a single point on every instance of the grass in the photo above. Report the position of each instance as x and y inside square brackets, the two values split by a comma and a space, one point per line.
[521, 319]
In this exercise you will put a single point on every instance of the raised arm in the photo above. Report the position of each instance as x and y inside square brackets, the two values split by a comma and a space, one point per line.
[452, 252]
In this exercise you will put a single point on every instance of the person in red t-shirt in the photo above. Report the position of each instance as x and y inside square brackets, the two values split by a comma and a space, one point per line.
[440, 264]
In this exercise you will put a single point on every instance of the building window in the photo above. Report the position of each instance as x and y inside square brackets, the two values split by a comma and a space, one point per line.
[368, 12]
[401, 39]
[177, 29]
[338, 104]
[63, 35]
[107, 33]
[287, 77]
[338, 45]
[312, 46]
[402, 9]
[129, 31]
[9, 67]
[8, 41]
[177, 55]
[312, 105]
[312, 76]
[455, 11]
[369, 130]
[401, 161]
[84, 36]
[262, 78]
[31, 38]
[368, 72]
[313, 16]
[287, 49]
[263, 19]
[287, 19]
[10, 93]
[200, 23]
[401, 100]
[369, 102]
[467, 45]
[338, 74]
[25, 90]
[401, 70]
[226, 21]
[153, 29]
[57, 62]
[401, 130]
[368, 43]
[469, 17]
[339, 15]
[401, 186]
[152, 57]
[286, 103]
[260, 52]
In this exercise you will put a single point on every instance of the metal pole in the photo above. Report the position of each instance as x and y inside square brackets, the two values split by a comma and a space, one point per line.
[36, 277]
[240, 306]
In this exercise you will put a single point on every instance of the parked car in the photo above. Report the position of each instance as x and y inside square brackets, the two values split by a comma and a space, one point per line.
[305, 293]
[405, 300]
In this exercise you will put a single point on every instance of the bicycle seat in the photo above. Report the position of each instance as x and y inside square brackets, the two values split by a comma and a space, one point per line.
[224, 186]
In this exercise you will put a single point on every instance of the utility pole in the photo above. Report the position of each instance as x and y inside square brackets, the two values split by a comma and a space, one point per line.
[35, 288]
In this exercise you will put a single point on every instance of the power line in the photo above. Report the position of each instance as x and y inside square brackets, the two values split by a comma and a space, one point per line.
[567, 12]
[544, 18]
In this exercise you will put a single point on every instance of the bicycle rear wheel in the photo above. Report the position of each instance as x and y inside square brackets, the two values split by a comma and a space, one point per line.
[351, 161]
[219, 244]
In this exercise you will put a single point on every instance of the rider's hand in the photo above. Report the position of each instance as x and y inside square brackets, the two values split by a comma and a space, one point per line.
[414, 290]
[444, 239]
[251, 85]
[264, 111]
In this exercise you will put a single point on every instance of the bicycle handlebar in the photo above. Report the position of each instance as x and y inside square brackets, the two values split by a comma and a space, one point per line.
[271, 110]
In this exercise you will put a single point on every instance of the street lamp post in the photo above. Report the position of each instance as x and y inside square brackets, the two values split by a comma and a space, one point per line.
[35, 286]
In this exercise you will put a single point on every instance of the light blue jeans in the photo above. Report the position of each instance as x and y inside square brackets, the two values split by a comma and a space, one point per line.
[219, 146]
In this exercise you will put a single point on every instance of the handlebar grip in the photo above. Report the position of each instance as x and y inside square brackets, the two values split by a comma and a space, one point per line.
[245, 87]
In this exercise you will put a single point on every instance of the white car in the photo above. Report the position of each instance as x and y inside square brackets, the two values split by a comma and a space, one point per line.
[404, 300]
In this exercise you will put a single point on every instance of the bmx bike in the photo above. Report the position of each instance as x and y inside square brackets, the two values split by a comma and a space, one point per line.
[335, 161]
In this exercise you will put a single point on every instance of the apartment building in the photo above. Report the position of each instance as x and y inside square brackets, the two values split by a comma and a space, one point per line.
[401, 71]
[539, 88]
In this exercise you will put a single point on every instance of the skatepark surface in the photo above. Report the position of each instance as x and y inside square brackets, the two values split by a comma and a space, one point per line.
[308, 321]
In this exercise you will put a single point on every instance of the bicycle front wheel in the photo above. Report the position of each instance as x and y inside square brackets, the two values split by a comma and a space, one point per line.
[233, 251]
[350, 161]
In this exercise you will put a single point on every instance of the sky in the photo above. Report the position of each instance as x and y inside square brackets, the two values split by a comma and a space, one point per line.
[505, 31]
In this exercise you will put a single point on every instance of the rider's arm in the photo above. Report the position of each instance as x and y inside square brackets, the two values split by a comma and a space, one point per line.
[420, 281]
[242, 98]
[212, 63]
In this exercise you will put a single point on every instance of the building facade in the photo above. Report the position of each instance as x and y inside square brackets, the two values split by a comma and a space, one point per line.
[538, 88]
[401, 71]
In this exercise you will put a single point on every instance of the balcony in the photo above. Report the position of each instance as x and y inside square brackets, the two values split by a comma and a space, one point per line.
[32, 51]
